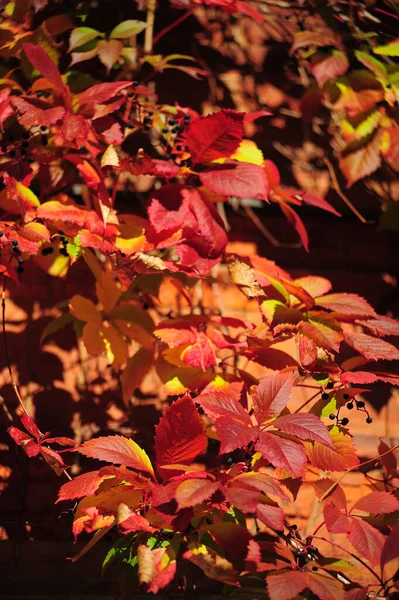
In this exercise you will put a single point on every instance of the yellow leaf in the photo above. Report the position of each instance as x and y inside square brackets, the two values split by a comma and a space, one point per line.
[84, 309]
[107, 291]
[110, 157]
[115, 346]
[137, 333]
[137, 367]
[92, 338]
[249, 152]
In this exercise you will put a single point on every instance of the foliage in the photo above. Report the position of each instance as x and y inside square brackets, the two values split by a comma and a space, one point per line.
[230, 451]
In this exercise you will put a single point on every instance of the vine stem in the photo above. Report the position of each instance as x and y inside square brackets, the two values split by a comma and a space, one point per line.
[307, 402]
[379, 579]
[173, 25]
[149, 31]
[340, 193]
[355, 468]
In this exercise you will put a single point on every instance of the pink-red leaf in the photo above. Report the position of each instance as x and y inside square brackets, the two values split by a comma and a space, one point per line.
[216, 136]
[101, 92]
[366, 540]
[282, 452]
[336, 521]
[271, 396]
[304, 426]
[377, 503]
[272, 516]
[43, 63]
[370, 347]
[286, 585]
[390, 550]
[194, 491]
[296, 222]
[179, 437]
[346, 304]
[233, 433]
[239, 180]
[80, 486]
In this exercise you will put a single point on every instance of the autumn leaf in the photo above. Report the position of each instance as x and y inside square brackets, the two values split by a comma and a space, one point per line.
[336, 521]
[285, 585]
[271, 396]
[377, 503]
[390, 550]
[216, 136]
[118, 450]
[101, 92]
[346, 304]
[370, 347]
[239, 180]
[282, 452]
[194, 491]
[361, 158]
[179, 437]
[340, 456]
[303, 426]
[366, 540]
[44, 64]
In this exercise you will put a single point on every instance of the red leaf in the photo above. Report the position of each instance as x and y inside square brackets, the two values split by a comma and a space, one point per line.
[194, 491]
[294, 219]
[282, 452]
[271, 396]
[336, 496]
[201, 354]
[358, 377]
[336, 521]
[223, 403]
[300, 293]
[304, 426]
[243, 499]
[326, 334]
[233, 538]
[19, 437]
[313, 200]
[366, 540]
[337, 458]
[324, 586]
[179, 437]
[80, 486]
[216, 136]
[377, 503]
[272, 516]
[233, 434]
[347, 304]
[130, 522]
[329, 66]
[370, 347]
[239, 180]
[31, 116]
[70, 213]
[30, 426]
[117, 450]
[259, 481]
[285, 585]
[102, 92]
[39, 58]
[381, 326]
[390, 550]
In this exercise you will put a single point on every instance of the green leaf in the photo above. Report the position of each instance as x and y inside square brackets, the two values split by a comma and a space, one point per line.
[56, 325]
[376, 66]
[82, 35]
[391, 49]
[127, 28]
[74, 248]
[120, 551]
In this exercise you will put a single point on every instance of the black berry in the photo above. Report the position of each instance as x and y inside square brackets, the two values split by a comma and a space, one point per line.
[44, 140]
[63, 252]
[175, 130]
[16, 250]
[26, 135]
[43, 128]
[15, 242]
[146, 306]
[20, 269]
[46, 251]
[172, 122]
[325, 396]
[360, 404]
[178, 147]
[20, 261]
[349, 406]
[39, 94]
[130, 125]
[344, 421]
[130, 95]
[135, 83]
[165, 130]
[146, 120]
[315, 568]
[4, 148]
[1, 234]
[332, 417]
[330, 385]
[294, 527]
[13, 153]
[369, 420]
[346, 396]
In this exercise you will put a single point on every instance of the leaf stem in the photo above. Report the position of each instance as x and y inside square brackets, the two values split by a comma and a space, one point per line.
[340, 193]
[172, 25]
[149, 32]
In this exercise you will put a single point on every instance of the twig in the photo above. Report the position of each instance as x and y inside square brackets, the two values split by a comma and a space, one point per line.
[149, 31]
[340, 193]
[255, 219]
[355, 468]
[172, 25]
